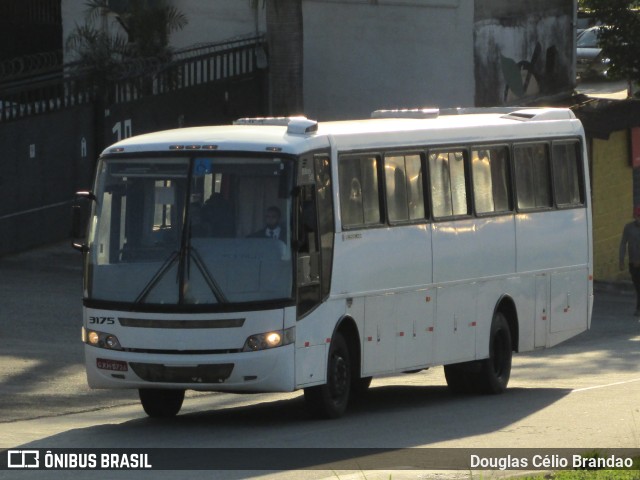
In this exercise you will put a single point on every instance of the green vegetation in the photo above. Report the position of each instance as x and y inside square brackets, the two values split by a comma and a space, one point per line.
[620, 35]
[147, 25]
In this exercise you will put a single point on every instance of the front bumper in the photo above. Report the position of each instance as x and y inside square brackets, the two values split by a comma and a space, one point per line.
[269, 370]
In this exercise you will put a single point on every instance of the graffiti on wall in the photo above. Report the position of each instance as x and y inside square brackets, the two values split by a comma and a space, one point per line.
[529, 77]
[520, 77]
[518, 60]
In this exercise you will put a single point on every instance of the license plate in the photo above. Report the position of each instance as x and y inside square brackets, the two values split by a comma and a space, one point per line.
[115, 365]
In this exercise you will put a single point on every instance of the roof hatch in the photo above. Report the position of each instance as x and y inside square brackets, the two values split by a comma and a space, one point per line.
[295, 125]
[541, 114]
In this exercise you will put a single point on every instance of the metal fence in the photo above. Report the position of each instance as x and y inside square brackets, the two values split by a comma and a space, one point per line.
[21, 97]
[195, 66]
[51, 131]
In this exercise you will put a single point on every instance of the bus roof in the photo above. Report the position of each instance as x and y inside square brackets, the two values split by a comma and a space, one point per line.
[297, 135]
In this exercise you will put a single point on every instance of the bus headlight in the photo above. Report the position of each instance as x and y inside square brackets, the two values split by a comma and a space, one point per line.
[100, 339]
[265, 341]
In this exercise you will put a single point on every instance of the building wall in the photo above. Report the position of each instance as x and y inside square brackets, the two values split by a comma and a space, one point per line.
[360, 56]
[45, 160]
[612, 180]
[213, 21]
[210, 21]
[523, 49]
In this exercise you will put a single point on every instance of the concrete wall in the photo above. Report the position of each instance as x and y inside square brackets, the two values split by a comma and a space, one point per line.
[612, 180]
[360, 56]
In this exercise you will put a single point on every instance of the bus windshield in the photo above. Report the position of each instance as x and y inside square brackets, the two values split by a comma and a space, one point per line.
[191, 230]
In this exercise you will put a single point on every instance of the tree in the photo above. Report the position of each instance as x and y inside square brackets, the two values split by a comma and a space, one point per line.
[619, 36]
[104, 55]
[285, 44]
[147, 27]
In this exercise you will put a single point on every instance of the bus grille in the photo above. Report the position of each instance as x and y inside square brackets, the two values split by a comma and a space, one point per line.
[153, 372]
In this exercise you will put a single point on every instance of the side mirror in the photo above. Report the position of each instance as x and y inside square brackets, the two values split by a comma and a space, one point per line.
[79, 217]
[78, 228]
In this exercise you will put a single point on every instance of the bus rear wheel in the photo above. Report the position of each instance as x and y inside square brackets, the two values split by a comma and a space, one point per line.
[488, 376]
[459, 378]
[159, 403]
[495, 371]
[331, 399]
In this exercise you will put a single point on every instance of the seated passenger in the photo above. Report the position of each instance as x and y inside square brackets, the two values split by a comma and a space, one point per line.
[218, 214]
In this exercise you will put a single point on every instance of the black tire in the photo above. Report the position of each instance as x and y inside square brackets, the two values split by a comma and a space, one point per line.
[331, 399]
[459, 379]
[159, 403]
[495, 371]
[359, 387]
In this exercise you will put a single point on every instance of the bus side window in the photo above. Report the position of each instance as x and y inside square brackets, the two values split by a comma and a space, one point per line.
[359, 200]
[490, 170]
[403, 179]
[448, 183]
[532, 172]
[566, 174]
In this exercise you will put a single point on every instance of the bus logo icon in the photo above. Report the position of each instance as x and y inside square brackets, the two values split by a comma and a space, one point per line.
[23, 459]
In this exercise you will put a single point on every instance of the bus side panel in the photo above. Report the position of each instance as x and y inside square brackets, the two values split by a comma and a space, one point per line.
[385, 271]
[455, 330]
[552, 240]
[479, 249]
[313, 337]
[559, 241]
[569, 306]
[311, 365]
[521, 291]
[378, 260]
[398, 332]
[474, 248]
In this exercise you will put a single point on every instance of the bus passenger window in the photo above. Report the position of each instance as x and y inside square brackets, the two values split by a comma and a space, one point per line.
[533, 181]
[448, 183]
[360, 204]
[403, 176]
[566, 173]
[490, 169]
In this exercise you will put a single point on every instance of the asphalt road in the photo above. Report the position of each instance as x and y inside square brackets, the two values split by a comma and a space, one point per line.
[581, 394]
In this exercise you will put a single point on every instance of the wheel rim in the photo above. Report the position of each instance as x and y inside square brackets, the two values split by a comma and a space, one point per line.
[339, 378]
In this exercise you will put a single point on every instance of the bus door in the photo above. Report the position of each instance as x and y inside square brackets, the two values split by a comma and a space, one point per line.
[314, 224]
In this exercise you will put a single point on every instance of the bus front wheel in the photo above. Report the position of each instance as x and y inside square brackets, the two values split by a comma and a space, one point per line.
[331, 399]
[159, 403]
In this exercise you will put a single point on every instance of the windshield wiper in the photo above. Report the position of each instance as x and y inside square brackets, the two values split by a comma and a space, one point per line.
[185, 255]
[211, 282]
[170, 260]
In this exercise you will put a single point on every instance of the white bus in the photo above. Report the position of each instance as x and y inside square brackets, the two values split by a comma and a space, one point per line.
[401, 243]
